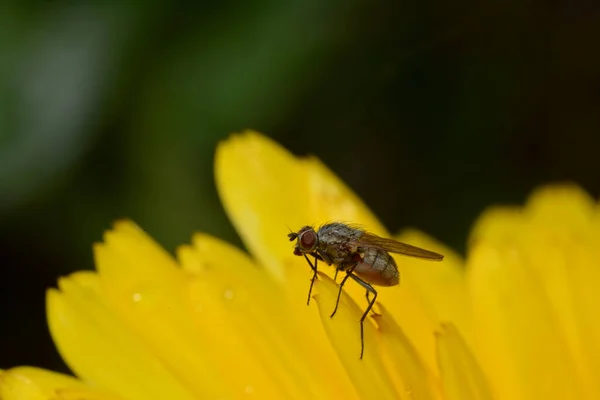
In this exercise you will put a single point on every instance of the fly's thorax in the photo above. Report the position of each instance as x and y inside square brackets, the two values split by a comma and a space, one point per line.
[336, 242]
[338, 231]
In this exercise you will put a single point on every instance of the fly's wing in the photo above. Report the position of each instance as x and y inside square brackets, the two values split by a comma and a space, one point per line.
[393, 246]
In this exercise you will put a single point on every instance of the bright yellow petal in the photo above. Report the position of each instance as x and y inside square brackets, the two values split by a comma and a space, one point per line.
[28, 383]
[332, 200]
[585, 335]
[405, 362]
[461, 375]
[558, 242]
[277, 348]
[561, 206]
[563, 245]
[497, 225]
[100, 348]
[263, 190]
[149, 292]
[369, 374]
[518, 333]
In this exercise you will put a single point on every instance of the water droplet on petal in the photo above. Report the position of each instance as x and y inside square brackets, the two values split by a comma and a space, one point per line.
[249, 389]
[228, 294]
[137, 297]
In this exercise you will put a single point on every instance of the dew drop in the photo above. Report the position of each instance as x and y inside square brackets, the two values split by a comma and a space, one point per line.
[249, 389]
[137, 297]
[228, 294]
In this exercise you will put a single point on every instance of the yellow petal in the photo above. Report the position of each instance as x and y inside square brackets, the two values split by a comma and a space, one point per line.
[406, 364]
[266, 191]
[518, 335]
[263, 190]
[556, 237]
[585, 334]
[275, 348]
[552, 208]
[413, 376]
[232, 303]
[28, 383]
[332, 200]
[429, 292]
[368, 374]
[100, 348]
[497, 225]
[462, 377]
[562, 246]
[440, 285]
[561, 206]
[148, 291]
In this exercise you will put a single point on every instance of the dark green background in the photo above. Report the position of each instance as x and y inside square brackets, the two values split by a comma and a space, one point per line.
[430, 110]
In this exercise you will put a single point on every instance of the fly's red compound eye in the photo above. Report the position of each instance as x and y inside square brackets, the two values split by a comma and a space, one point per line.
[308, 240]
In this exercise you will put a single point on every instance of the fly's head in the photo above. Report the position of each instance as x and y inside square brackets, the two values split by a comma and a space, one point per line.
[306, 240]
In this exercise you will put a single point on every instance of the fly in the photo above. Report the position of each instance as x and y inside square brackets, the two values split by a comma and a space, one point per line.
[362, 255]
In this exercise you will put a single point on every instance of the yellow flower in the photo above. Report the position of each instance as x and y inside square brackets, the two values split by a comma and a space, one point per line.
[516, 320]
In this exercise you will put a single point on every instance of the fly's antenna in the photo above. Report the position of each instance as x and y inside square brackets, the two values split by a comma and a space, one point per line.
[292, 235]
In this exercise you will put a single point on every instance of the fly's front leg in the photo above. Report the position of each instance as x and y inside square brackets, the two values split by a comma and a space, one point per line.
[312, 281]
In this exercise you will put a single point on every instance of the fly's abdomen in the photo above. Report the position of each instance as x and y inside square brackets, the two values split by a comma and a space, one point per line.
[378, 268]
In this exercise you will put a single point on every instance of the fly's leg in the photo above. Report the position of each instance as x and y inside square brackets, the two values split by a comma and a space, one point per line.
[369, 301]
[367, 292]
[335, 276]
[312, 281]
[369, 307]
[337, 301]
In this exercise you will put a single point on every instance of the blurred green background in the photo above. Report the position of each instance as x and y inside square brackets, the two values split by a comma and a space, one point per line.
[430, 110]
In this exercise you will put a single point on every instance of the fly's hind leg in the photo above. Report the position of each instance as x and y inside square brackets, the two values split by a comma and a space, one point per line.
[374, 262]
[337, 301]
[369, 301]
[369, 307]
